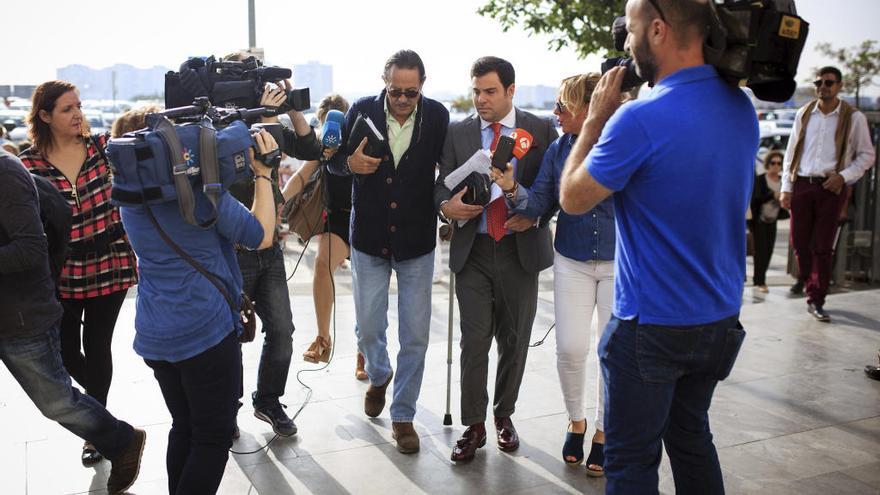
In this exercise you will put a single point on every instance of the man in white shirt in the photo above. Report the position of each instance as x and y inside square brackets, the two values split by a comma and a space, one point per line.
[830, 147]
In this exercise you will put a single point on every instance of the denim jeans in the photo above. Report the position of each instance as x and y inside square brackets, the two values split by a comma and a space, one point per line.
[659, 383]
[201, 394]
[35, 362]
[371, 277]
[265, 282]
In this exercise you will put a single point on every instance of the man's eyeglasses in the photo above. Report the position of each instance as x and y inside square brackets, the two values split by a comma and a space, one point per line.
[409, 93]
[560, 107]
[657, 8]
[827, 82]
[775, 162]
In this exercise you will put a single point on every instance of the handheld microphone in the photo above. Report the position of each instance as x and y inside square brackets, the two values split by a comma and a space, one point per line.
[522, 142]
[331, 131]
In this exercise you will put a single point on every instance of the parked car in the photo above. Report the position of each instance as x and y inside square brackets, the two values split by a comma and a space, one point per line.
[772, 138]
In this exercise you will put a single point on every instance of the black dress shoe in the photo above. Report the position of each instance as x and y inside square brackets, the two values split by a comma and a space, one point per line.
[818, 312]
[798, 288]
[90, 455]
[466, 447]
[508, 440]
[873, 372]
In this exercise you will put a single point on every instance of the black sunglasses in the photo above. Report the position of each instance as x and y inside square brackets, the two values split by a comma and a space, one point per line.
[775, 162]
[827, 82]
[409, 93]
[657, 8]
[560, 107]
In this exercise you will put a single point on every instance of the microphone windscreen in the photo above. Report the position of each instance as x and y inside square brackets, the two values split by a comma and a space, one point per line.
[331, 132]
[523, 142]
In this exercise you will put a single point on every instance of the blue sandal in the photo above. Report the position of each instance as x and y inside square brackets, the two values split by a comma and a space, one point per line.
[573, 447]
[596, 458]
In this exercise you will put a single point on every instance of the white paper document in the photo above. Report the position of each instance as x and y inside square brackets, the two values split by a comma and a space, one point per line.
[479, 162]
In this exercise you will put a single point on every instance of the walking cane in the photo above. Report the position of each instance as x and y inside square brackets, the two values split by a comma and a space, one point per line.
[447, 419]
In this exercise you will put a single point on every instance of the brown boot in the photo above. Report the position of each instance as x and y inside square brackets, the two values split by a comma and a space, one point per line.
[406, 436]
[359, 372]
[374, 401]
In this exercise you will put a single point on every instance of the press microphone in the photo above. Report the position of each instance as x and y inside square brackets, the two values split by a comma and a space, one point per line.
[509, 147]
[331, 132]
[522, 142]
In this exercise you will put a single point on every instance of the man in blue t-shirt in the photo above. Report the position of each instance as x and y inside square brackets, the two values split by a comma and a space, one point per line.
[680, 164]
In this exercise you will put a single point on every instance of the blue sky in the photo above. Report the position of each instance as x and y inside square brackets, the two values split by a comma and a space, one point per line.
[354, 36]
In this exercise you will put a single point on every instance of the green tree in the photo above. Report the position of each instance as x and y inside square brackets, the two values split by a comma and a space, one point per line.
[462, 104]
[859, 64]
[584, 25]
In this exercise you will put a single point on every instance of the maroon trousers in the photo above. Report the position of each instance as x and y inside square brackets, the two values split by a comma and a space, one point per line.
[814, 215]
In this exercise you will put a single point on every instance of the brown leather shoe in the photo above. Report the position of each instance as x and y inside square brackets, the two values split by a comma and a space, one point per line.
[359, 372]
[406, 436]
[508, 440]
[466, 447]
[374, 401]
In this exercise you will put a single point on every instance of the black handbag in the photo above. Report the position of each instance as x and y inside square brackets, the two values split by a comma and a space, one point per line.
[479, 189]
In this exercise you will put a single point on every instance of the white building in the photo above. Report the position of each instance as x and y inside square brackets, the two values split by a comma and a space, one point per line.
[126, 81]
[316, 76]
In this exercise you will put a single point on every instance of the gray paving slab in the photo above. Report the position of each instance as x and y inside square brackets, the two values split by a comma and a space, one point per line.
[797, 415]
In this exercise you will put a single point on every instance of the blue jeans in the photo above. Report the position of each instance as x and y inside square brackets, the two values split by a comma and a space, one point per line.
[265, 282]
[201, 394]
[371, 277]
[35, 362]
[659, 383]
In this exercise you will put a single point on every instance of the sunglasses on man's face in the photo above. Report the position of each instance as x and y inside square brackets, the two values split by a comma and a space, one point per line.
[409, 93]
[827, 82]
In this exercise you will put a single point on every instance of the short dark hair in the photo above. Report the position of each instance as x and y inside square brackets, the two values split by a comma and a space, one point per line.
[503, 68]
[405, 59]
[687, 16]
[831, 70]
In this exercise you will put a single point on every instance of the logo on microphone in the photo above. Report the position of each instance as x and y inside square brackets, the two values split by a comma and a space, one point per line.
[523, 142]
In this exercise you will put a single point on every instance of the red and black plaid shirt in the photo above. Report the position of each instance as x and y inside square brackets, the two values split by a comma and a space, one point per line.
[100, 260]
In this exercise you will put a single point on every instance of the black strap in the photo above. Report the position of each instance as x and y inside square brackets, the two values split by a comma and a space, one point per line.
[195, 264]
[100, 150]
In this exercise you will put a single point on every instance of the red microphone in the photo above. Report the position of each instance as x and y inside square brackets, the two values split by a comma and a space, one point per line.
[523, 142]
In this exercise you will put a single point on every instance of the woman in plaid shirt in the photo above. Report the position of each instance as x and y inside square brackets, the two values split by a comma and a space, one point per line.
[101, 264]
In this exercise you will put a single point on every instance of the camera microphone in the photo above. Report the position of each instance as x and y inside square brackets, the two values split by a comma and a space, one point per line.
[331, 131]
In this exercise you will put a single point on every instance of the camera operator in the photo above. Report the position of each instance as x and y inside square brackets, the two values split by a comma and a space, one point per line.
[263, 271]
[186, 331]
[680, 257]
[30, 320]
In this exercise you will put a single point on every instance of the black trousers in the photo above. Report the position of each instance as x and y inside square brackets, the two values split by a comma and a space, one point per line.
[765, 238]
[201, 394]
[87, 355]
[497, 300]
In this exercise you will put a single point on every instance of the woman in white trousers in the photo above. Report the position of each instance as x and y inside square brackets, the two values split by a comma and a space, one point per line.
[583, 270]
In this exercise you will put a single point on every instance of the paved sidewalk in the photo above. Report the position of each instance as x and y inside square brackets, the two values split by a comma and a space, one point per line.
[797, 416]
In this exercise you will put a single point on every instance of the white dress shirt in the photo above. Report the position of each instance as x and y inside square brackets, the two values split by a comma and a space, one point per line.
[819, 156]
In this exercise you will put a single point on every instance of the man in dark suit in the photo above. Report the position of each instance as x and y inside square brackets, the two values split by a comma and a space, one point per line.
[496, 258]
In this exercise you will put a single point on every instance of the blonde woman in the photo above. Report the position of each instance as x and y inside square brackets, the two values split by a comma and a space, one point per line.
[583, 270]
